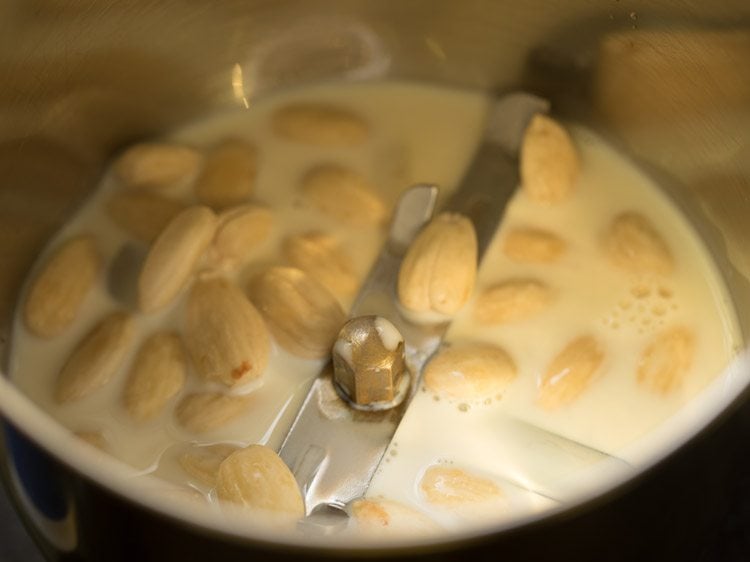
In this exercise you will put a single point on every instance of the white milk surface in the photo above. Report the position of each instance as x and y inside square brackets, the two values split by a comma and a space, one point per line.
[427, 134]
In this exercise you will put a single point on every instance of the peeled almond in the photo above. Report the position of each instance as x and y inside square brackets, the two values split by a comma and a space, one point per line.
[533, 245]
[632, 243]
[228, 174]
[320, 124]
[141, 214]
[666, 360]
[154, 166]
[570, 373]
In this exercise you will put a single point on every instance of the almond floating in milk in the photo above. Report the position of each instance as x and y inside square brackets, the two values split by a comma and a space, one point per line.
[448, 487]
[383, 517]
[142, 214]
[549, 161]
[570, 373]
[319, 124]
[173, 257]
[241, 230]
[156, 166]
[469, 371]
[96, 358]
[224, 333]
[533, 245]
[59, 289]
[303, 316]
[202, 412]
[321, 256]
[511, 301]
[666, 360]
[228, 174]
[157, 375]
[344, 195]
[633, 244]
[439, 269]
[256, 477]
[202, 463]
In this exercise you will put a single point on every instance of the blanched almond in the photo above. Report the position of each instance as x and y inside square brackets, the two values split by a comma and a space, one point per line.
[549, 161]
[469, 371]
[59, 289]
[206, 411]
[512, 300]
[96, 358]
[319, 124]
[440, 267]
[156, 376]
[143, 215]
[173, 257]
[570, 373]
[633, 244]
[320, 256]
[302, 315]
[387, 517]
[225, 335]
[241, 229]
[344, 195]
[533, 245]
[447, 487]
[257, 477]
[666, 360]
[202, 463]
[152, 165]
[228, 175]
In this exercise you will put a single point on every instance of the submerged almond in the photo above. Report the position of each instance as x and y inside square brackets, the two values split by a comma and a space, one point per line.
[449, 487]
[321, 257]
[156, 376]
[60, 288]
[202, 463]
[666, 360]
[225, 335]
[143, 215]
[549, 161]
[153, 165]
[256, 477]
[511, 301]
[469, 371]
[94, 438]
[228, 175]
[387, 517]
[570, 373]
[439, 269]
[96, 358]
[242, 229]
[533, 245]
[173, 257]
[206, 411]
[320, 124]
[303, 316]
[344, 195]
[633, 244]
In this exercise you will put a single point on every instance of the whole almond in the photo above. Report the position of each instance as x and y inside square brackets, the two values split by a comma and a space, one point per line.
[320, 256]
[156, 376]
[225, 335]
[257, 477]
[344, 195]
[206, 411]
[173, 257]
[387, 517]
[633, 244]
[228, 174]
[666, 360]
[242, 229]
[60, 288]
[533, 245]
[570, 372]
[96, 358]
[469, 371]
[549, 161]
[202, 463]
[439, 269]
[447, 487]
[152, 165]
[303, 316]
[320, 124]
[142, 214]
[512, 300]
